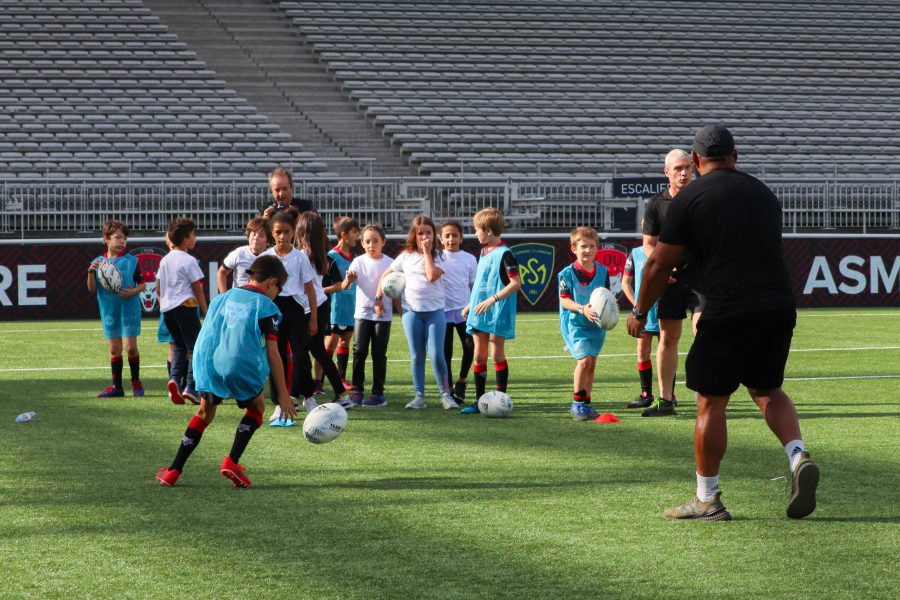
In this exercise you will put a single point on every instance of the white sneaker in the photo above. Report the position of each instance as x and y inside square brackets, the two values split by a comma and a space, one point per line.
[310, 404]
[448, 401]
[418, 402]
[276, 414]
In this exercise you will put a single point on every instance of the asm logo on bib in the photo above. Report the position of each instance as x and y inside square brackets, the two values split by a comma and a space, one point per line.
[536, 262]
[613, 257]
[148, 263]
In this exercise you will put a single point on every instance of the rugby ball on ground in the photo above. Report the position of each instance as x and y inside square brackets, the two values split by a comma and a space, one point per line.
[606, 306]
[393, 284]
[495, 404]
[324, 423]
[109, 277]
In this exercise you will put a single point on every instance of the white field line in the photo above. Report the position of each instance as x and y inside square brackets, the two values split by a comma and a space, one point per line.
[514, 358]
[522, 319]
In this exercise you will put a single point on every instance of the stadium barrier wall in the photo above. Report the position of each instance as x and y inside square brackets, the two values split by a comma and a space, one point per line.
[42, 280]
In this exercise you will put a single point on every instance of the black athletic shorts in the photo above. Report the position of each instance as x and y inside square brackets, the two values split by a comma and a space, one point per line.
[340, 329]
[750, 351]
[677, 300]
[217, 400]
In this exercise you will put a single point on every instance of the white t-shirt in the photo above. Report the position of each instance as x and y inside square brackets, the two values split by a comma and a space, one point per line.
[239, 260]
[299, 271]
[369, 271]
[177, 271]
[420, 294]
[459, 275]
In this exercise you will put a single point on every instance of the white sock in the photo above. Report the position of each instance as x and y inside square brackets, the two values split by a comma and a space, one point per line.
[707, 487]
[793, 450]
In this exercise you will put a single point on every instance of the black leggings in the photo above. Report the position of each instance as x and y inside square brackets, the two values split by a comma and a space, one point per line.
[320, 354]
[468, 348]
[378, 334]
[292, 330]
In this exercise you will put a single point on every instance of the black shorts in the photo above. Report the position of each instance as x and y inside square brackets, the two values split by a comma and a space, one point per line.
[677, 300]
[340, 329]
[750, 351]
[217, 400]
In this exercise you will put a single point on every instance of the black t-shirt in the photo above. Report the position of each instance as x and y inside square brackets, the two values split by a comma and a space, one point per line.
[302, 205]
[654, 220]
[332, 275]
[730, 222]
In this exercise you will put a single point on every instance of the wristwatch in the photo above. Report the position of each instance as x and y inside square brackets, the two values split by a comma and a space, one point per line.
[638, 314]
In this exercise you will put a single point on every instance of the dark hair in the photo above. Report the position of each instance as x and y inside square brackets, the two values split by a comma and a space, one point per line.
[376, 228]
[412, 246]
[112, 226]
[259, 224]
[452, 223]
[344, 225]
[180, 229]
[267, 266]
[287, 216]
[312, 239]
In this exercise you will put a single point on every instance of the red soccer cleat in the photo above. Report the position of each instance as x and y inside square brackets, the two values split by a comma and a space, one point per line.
[175, 393]
[235, 473]
[167, 476]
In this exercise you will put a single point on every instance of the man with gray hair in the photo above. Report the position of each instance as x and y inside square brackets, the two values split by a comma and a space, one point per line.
[680, 296]
[281, 184]
[730, 223]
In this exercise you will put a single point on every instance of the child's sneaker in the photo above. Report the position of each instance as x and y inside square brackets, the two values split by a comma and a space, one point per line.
[348, 387]
[191, 396]
[319, 389]
[356, 399]
[344, 402]
[699, 510]
[137, 389]
[375, 401]
[174, 393]
[167, 476]
[418, 402]
[448, 402]
[642, 401]
[235, 473]
[471, 409]
[804, 481]
[111, 392]
[582, 412]
[310, 404]
[660, 408]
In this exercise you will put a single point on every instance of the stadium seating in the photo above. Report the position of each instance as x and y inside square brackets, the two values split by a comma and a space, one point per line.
[608, 87]
[98, 88]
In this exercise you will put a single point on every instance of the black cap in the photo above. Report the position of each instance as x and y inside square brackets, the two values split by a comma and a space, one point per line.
[714, 141]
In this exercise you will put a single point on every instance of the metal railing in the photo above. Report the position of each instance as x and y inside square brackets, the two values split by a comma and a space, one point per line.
[530, 204]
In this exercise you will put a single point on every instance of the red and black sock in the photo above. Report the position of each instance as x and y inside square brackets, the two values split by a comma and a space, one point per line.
[245, 430]
[581, 396]
[190, 440]
[343, 356]
[645, 371]
[501, 372]
[480, 379]
[134, 363]
[115, 362]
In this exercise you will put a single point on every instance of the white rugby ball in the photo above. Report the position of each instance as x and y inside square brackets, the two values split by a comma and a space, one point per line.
[606, 306]
[109, 277]
[324, 423]
[393, 284]
[495, 404]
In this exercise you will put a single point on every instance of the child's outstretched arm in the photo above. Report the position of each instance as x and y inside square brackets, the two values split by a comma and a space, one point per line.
[277, 368]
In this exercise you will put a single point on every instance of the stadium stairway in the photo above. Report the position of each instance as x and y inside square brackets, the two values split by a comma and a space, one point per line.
[254, 48]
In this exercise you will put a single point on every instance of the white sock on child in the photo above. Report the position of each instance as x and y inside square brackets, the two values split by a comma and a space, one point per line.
[793, 450]
[707, 487]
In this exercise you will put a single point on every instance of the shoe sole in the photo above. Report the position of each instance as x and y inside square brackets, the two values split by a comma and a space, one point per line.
[719, 515]
[803, 501]
[235, 479]
[174, 393]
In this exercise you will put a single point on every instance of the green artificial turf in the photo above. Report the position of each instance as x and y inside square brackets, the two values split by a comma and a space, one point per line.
[433, 504]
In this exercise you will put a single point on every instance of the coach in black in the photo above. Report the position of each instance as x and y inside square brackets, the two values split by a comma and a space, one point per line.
[281, 184]
[730, 224]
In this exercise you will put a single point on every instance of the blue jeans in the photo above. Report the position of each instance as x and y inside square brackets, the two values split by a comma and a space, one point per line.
[426, 330]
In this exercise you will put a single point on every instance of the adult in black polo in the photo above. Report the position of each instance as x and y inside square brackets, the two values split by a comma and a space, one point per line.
[281, 184]
[730, 224]
[679, 297]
